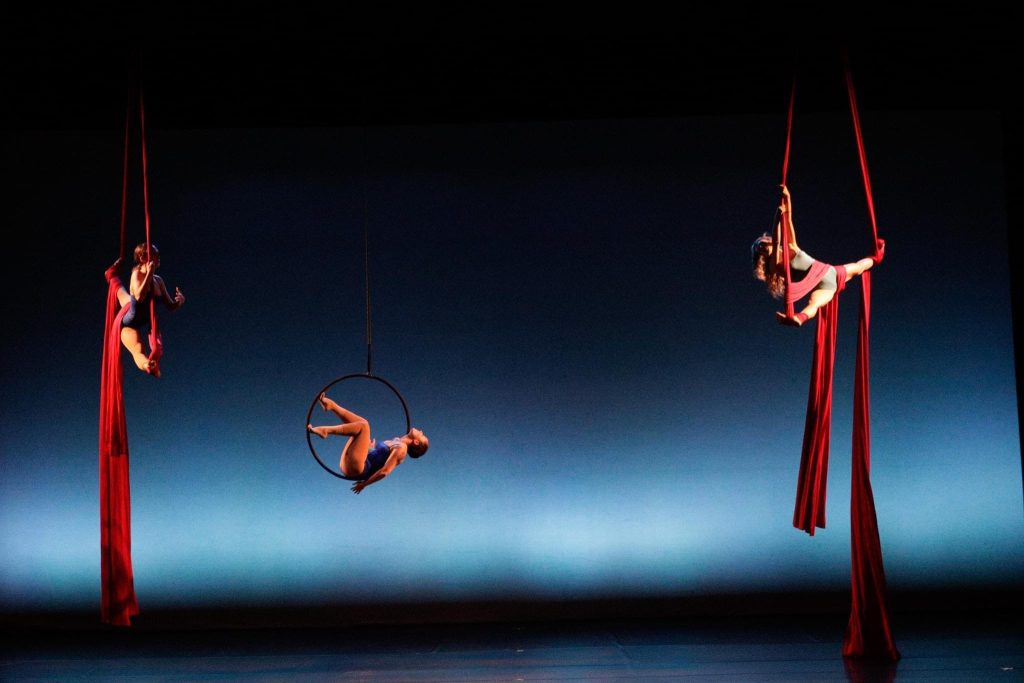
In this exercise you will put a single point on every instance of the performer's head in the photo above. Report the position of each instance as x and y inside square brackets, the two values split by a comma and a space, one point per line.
[142, 255]
[760, 250]
[760, 253]
[418, 442]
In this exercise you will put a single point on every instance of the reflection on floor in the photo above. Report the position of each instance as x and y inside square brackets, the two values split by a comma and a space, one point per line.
[795, 648]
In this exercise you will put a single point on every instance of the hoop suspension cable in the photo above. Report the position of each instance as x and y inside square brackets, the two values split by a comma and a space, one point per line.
[366, 265]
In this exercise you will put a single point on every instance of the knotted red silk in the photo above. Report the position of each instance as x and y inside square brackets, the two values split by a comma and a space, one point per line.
[118, 603]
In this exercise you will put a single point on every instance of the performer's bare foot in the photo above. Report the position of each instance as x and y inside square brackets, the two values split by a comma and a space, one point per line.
[143, 362]
[327, 404]
[319, 431]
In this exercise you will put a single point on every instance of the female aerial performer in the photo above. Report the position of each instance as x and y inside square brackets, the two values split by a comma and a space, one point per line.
[362, 458]
[820, 279]
[144, 285]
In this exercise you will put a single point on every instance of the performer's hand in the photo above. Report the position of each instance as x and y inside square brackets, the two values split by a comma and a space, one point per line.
[358, 487]
[179, 298]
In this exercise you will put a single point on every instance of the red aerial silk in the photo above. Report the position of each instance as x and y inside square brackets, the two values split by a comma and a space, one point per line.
[118, 603]
[798, 290]
[868, 632]
[785, 232]
[156, 346]
[810, 494]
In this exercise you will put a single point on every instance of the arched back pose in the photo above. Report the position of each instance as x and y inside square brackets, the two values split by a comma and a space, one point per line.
[361, 457]
[144, 285]
[820, 279]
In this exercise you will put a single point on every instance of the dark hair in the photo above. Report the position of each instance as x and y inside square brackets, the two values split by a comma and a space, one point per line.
[141, 253]
[418, 449]
[776, 282]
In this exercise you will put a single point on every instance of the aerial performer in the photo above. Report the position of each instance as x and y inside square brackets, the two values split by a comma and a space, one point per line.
[809, 276]
[143, 287]
[362, 458]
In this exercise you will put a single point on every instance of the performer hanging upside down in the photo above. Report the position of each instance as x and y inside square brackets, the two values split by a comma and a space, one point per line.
[144, 285]
[820, 279]
[362, 458]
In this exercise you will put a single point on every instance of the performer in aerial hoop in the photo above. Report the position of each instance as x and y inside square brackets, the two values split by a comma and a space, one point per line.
[362, 458]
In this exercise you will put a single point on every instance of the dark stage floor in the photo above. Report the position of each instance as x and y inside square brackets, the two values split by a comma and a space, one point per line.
[944, 646]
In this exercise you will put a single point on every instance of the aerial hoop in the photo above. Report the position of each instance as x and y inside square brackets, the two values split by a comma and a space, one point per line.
[316, 401]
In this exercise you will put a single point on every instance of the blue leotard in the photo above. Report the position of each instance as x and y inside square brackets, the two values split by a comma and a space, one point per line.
[137, 316]
[376, 459]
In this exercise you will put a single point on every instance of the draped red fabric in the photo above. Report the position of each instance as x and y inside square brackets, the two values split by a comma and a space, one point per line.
[811, 482]
[118, 604]
[868, 633]
[156, 342]
[798, 290]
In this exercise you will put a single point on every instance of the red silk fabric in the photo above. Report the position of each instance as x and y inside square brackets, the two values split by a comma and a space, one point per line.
[156, 346]
[811, 483]
[118, 603]
[868, 633]
[789, 132]
[786, 231]
[156, 342]
[798, 290]
[862, 154]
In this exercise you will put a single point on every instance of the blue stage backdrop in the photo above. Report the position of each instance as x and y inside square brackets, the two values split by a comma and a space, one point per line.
[569, 310]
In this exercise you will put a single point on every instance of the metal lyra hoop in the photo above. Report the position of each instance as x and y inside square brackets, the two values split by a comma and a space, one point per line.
[316, 400]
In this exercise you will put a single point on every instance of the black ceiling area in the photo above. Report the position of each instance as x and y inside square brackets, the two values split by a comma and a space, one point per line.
[256, 65]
